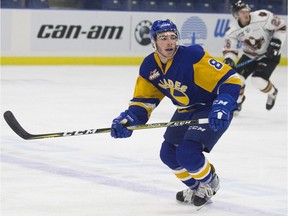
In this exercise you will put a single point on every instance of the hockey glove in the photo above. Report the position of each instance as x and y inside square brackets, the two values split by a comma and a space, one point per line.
[119, 124]
[274, 47]
[220, 115]
[229, 62]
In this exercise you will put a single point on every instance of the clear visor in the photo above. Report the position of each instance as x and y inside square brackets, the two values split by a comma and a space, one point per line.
[243, 11]
[167, 35]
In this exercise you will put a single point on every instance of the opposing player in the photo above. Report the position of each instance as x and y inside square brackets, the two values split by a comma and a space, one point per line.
[200, 87]
[261, 34]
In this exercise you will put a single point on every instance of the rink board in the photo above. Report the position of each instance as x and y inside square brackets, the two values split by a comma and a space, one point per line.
[76, 37]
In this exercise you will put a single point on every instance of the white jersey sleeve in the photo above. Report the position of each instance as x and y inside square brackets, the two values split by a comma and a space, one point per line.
[277, 26]
[254, 37]
[230, 49]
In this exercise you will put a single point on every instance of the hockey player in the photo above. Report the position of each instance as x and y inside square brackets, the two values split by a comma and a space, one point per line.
[261, 34]
[200, 87]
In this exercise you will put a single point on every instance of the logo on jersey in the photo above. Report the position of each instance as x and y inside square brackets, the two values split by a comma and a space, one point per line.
[193, 31]
[247, 30]
[142, 32]
[240, 35]
[154, 74]
[254, 43]
[176, 90]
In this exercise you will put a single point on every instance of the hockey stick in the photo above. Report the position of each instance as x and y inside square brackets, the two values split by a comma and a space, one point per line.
[248, 61]
[20, 131]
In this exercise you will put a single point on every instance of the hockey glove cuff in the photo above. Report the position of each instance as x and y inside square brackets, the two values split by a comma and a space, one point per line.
[120, 124]
[221, 112]
[274, 47]
[229, 62]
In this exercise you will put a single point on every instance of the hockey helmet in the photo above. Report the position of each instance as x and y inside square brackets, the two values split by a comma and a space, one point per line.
[237, 6]
[160, 26]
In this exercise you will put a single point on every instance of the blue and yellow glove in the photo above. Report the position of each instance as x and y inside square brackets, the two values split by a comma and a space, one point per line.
[120, 124]
[221, 112]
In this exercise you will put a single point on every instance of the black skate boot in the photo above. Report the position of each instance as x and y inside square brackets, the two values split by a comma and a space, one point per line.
[271, 100]
[205, 191]
[186, 196]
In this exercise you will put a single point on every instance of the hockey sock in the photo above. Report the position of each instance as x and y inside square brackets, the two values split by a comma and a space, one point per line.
[183, 175]
[204, 173]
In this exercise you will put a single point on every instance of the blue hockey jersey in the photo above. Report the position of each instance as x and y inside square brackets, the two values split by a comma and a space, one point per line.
[191, 79]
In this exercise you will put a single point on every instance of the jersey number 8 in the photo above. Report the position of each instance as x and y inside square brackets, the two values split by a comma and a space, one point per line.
[216, 64]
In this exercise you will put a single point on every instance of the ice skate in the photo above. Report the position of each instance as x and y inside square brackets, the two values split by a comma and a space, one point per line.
[205, 191]
[271, 100]
[186, 196]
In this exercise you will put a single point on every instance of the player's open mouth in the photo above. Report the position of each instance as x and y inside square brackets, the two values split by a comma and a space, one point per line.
[169, 50]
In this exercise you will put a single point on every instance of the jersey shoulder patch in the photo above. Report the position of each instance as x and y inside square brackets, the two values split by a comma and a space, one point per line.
[149, 64]
[260, 16]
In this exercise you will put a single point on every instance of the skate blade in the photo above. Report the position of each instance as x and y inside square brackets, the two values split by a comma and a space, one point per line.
[195, 208]
[198, 208]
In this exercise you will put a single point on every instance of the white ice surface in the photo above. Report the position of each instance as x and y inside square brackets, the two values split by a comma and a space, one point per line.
[98, 175]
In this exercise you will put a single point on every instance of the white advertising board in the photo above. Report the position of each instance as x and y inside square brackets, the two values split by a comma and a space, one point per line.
[102, 33]
[80, 32]
[205, 29]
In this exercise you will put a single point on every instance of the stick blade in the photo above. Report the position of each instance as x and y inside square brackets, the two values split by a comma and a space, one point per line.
[15, 126]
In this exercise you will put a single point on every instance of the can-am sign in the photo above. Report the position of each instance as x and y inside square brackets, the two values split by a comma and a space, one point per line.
[103, 33]
[76, 31]
[80, 33]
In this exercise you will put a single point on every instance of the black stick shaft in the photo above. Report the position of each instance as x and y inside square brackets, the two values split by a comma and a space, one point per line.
[20, 131]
